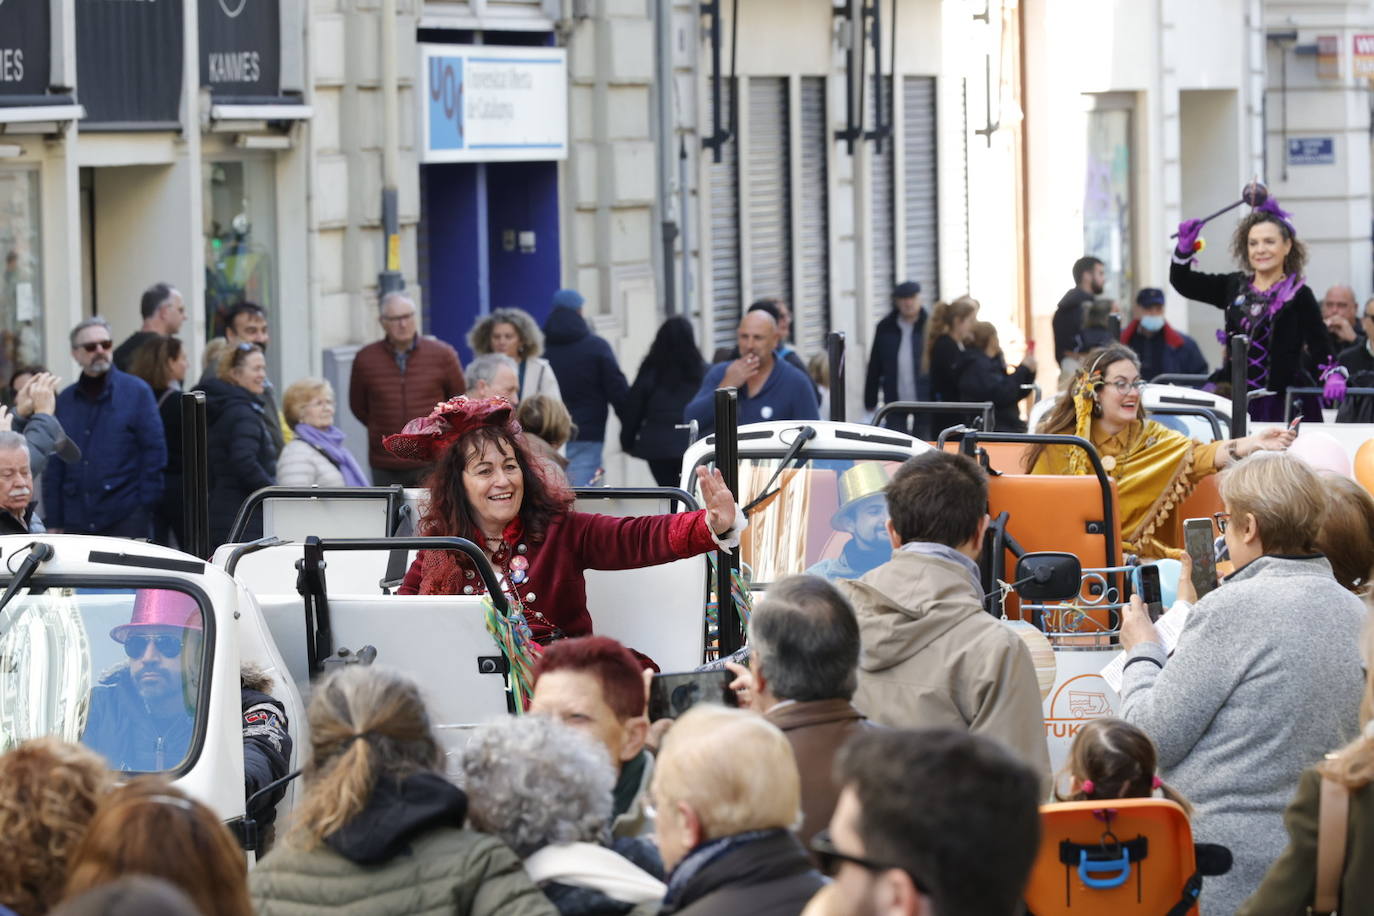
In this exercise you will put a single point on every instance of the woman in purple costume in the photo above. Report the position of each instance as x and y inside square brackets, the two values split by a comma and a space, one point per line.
[1268, 302]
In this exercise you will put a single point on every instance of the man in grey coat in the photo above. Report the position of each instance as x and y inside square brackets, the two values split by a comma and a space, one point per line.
[1266, 677]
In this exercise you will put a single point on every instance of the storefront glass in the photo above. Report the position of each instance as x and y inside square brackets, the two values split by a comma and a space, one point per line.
[21, 286]
[240, 238]
[1107, 203]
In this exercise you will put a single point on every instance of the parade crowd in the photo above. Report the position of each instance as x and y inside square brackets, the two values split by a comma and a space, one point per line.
[887, 753]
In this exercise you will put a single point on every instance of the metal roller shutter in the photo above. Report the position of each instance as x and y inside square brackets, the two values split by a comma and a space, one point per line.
[811, 309]
[922, 262]
[881, 192]
[769, 162]
[723, 180]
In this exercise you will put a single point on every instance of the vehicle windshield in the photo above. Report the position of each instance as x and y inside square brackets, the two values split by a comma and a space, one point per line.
[117, 669]
[827, 518]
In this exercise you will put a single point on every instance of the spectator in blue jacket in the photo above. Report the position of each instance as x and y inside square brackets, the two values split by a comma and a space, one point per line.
[590, 379]
[896, 365]
[769, 388]
[1161, 348]
[113, 419]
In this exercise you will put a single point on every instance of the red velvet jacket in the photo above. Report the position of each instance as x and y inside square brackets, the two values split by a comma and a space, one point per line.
[553, 591]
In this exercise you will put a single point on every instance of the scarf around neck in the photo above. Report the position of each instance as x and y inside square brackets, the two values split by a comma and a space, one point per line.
[331, 442]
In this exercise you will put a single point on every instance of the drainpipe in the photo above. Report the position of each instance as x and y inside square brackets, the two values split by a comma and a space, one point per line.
[390, 279]
[663, 86]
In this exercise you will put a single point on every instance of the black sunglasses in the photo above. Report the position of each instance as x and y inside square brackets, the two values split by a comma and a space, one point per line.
[97, 345]
[830, 859]
[167, 646]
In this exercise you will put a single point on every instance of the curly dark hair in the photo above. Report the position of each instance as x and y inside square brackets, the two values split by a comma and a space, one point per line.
[1240, 243]
[449, 513]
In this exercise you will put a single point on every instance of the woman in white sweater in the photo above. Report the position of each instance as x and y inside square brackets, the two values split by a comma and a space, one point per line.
[317, 456]
[514, 333]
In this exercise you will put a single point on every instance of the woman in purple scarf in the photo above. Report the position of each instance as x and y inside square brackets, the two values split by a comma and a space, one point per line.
[317, 456]
[1269, 302]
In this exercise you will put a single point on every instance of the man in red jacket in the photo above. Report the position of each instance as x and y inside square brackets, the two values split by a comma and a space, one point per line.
[395, 379]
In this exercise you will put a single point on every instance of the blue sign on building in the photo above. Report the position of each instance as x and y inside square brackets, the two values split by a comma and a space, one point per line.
[1311, 151]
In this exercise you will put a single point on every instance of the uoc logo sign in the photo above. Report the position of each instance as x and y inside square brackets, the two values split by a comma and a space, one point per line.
[446, 102]
[231, 8]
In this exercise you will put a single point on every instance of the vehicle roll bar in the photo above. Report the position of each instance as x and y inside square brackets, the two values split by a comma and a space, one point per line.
[672, 494]
[969, 439]
[195, 475]
[1182, 379]
[1183, 410]
[963, 408]
[1240, 384]
[728, 630]
[394, 495]
[1288, 397]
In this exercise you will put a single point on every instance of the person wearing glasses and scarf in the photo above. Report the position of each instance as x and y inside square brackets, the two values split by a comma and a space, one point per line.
[1155, 468]
[1268, 301]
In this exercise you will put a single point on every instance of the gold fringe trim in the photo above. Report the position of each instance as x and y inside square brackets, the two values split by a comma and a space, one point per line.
[1174, 493]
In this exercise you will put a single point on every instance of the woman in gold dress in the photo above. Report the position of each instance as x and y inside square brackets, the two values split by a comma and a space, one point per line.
[1155, 468]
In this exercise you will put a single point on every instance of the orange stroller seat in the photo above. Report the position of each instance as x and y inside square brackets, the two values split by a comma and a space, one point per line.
[1129, 855]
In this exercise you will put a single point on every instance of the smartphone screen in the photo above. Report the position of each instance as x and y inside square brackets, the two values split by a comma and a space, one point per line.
[670, 695]
[1199, 542]
[1150, 591]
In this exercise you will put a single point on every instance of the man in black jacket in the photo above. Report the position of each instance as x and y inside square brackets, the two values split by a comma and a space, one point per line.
[590, 380]
[1089, 279]
[895, 365]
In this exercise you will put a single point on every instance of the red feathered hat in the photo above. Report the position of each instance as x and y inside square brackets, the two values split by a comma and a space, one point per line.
[426, 438]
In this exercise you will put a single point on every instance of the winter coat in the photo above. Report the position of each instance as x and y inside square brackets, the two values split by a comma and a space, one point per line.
[242, 457]
[119, 727]
[786, 395]
[585, 879]
[537, 378]
[1298, 322]
[985, 378]
[30, 524]
[123, 453]
[769, 876]
[42, 433]
[1165, 351]
[384, 398]
[587, 372]
[946, 362]
[817, 729]
[1359, 362]
[406, 854]
[303, 465]
[266, 745]
[1291, 881]
[882, 361]
[653, 410]
[933, 657]
[1265, 679]
[1068, 320]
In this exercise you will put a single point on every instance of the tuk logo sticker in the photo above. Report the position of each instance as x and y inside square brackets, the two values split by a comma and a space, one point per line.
[230, 8]
[1078, 700]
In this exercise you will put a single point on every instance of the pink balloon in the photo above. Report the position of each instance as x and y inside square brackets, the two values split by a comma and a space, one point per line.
[1322, 451]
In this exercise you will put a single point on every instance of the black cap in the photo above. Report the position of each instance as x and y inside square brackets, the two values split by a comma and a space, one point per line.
[1150, 296]
[906, 290]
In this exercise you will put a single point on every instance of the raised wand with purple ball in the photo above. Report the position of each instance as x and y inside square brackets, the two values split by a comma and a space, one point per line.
[1255, 193]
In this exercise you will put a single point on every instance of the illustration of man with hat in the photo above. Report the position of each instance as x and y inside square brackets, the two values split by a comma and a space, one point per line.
[142, 713]
[863, 516]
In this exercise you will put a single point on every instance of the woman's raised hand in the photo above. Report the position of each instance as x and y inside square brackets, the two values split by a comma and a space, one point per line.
[720, 502]
[1274, 439]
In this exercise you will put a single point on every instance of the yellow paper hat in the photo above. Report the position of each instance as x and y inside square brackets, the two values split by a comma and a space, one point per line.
[868, 478]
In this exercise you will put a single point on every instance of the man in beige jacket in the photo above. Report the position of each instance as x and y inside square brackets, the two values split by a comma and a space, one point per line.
[932, 655]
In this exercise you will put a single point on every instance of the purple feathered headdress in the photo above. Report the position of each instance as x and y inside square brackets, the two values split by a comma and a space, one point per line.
[1271, 206]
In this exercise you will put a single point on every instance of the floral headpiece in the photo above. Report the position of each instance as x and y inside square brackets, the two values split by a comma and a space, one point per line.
[1271, 206]
[426, 438]
[1089, 379]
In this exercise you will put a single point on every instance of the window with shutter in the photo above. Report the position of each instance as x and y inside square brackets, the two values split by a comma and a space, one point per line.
[723, 181]
[922, 262]
[811, 308]
[770, 200]
[881, 245]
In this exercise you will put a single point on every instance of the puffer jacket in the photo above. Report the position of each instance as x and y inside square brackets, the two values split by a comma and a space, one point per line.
[243, 456]
[384, 398]
[406, 854]
[303, 465]
[933, 657]
[587, 372]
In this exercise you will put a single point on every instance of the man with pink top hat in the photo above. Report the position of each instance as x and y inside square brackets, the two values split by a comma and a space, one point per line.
[142, 713]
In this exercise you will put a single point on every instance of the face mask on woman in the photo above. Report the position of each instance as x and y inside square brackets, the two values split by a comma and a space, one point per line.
[1152, 323]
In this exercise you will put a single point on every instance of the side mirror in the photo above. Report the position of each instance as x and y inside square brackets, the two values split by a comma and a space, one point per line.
[1048, 576]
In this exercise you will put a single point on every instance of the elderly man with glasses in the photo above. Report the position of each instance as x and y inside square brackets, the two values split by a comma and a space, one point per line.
[399, 377]
[113, 419]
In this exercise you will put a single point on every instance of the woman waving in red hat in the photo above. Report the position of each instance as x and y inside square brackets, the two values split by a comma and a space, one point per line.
[488, 487]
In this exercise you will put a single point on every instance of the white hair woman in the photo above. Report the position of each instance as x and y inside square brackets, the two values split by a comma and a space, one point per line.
[1266, 676]
[546, 790]
[514, 333]
[380, 830]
